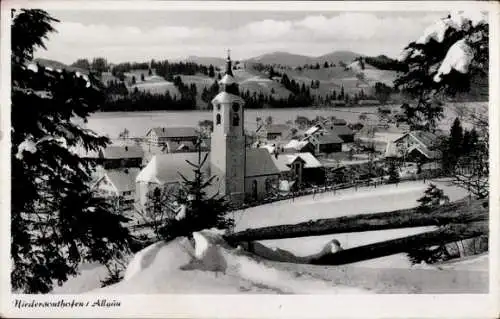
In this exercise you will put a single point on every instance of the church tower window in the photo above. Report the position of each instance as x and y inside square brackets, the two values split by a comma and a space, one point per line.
[217, 119]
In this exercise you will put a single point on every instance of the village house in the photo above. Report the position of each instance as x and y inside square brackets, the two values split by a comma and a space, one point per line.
[414, 146]
[273, 132]
[301, 168]
[325, 142]
[240, 173]
[120, 156]
[342, 131]
[161, 135]
[119, 184]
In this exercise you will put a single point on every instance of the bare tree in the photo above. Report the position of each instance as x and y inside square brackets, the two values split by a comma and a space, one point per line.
[472, 170]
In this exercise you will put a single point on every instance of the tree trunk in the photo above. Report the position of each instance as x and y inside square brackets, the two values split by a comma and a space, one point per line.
[458, 212]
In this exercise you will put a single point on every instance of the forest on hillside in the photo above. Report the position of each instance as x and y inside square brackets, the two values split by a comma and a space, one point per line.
[124, 95]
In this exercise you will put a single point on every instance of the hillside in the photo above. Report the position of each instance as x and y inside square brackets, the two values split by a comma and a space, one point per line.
[283, 58]
[295, 60]
[338, 56]
[253, 75]
[217, 62]
[372, 74]
[58, 65]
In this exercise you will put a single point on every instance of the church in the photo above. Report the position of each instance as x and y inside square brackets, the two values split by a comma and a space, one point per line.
[242, 174]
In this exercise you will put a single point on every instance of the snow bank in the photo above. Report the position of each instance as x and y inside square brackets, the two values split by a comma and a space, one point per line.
[209, 265]
[141, 260]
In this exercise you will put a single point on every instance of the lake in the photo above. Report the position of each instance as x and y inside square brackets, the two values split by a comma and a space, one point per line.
[138, 123]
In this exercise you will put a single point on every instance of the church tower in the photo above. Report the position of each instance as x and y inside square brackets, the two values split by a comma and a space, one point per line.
[227, 156]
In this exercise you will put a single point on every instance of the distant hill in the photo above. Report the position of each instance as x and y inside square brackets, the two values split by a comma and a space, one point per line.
[337, 56]
[283, 58]
[294, 60]
[206, 60]
[58, 65]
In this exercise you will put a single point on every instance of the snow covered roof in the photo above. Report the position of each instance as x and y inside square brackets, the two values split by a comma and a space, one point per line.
[312, 130]
[425, 143]
[165, 168]
[122, 179]
[269, 148]
[283, 161]
[227, 98]
[426, 138]
[173, 132]
[296, 144]
[259, 162]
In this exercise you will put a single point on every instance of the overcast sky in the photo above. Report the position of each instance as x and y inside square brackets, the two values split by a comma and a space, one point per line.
[142, 35]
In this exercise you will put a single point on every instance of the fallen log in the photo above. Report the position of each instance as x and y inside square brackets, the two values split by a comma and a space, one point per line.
[444, 235]
[461, 212]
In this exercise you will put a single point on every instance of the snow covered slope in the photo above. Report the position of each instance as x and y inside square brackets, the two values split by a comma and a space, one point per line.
[209, 265]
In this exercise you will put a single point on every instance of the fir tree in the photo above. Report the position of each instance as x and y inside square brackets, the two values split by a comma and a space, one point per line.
[455, 142]
[211, 72]
[433, 197]
[56, 220]
[201, 210]
[421, 80]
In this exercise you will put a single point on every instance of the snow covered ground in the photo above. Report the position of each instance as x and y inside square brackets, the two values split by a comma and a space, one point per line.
[157, 268]
[217, 268]
[209, 265]
[343, 203]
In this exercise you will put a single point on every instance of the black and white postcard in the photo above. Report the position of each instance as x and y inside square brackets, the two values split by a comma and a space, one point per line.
[249, 159]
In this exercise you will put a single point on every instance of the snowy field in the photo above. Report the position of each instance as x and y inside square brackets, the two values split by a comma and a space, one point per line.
[327, 205]
[343, 203]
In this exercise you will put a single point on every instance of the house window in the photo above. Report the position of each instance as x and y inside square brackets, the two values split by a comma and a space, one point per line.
[127, 193]
[217, 119]
[236, 119]
[218, 106]
[236, 107]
